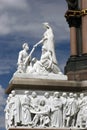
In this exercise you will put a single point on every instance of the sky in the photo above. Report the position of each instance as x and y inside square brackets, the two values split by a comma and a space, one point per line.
[21, 21]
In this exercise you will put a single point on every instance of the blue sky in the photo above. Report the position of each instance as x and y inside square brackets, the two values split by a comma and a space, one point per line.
[21, 21]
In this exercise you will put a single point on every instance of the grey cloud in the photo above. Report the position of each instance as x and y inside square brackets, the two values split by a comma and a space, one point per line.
[2, 103]
[26, 16]
[6, 65]
[20, 4]
[4, 72]
[2, 122]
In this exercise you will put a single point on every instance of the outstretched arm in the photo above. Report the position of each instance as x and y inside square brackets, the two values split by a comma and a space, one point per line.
[41, 41]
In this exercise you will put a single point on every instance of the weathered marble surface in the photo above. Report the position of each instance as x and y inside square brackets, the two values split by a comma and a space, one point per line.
[43, 76]
[47, 65]
[52, 109]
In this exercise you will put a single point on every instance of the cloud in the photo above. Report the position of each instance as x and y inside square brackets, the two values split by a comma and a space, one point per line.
[4, 24]
[21, 20]
[6, 65]
[27, 16]
[2, 123]
[21, 4]
[10, 11]
[2, 105]
[1, 94]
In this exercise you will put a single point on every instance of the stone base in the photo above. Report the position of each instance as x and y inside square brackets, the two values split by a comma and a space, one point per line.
[33, 84]
[78, 75]
[52, 76]
[76, 68]
[47, 129]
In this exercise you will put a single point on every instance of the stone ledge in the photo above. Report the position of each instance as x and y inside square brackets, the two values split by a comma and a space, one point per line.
[47, 129]
[46, 84]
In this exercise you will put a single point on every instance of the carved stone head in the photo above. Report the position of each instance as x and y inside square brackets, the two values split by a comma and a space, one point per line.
[25, 46]
[42, 103]
[46, 25]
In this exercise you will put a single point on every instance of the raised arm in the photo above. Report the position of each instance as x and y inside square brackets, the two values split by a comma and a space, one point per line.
[41, 41]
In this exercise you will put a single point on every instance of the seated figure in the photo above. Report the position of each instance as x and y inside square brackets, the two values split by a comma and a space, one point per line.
[41, 117]
[45, 65]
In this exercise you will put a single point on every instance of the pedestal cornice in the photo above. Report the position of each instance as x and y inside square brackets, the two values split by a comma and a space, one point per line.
[46, 84]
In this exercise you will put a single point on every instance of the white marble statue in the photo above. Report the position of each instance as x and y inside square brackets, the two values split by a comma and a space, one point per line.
[24, 59]
[41, 118]
[48, 45]
[9, 106]
[23, 54]
[46, 66]
[76, 108]
[46, 110]
[71, 110]
[56, 111]
[12, 110]
[7, 113]
[25, 104]
[15, 107]
[82, 113]
[47, 98]
[34, 100]
[64, 101]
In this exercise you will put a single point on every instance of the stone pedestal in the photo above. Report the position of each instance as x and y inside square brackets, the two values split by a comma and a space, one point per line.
[76, 68]
[40, 86]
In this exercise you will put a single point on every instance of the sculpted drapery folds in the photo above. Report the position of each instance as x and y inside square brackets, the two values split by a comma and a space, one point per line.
[51, 110]
[47, 63]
